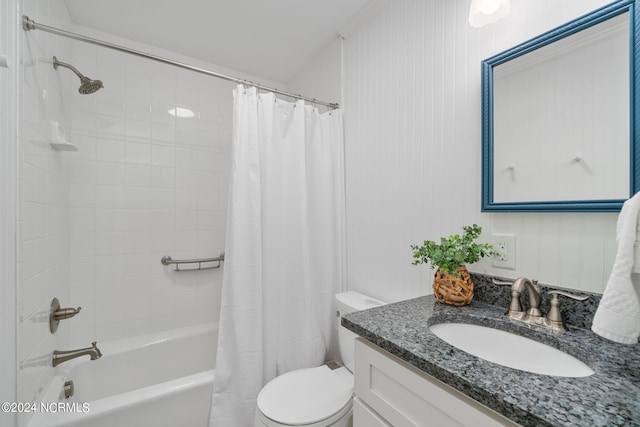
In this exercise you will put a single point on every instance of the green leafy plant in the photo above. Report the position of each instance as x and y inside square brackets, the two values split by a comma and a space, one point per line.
[453, 251]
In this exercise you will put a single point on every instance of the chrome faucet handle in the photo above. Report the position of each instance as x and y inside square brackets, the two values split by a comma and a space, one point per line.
[554, 318]
[515, 307]
[568, 294]
[56, 314]
[66, 313]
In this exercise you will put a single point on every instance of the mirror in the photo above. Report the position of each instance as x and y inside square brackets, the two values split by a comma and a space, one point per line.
[558, 117]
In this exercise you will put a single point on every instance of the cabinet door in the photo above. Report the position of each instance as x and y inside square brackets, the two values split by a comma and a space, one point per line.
[363, 416]
[405, 396]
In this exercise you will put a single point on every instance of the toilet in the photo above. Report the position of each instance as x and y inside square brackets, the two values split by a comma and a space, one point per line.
[316, 397]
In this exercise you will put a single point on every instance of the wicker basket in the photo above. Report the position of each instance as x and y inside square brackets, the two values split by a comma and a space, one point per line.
[453, 290]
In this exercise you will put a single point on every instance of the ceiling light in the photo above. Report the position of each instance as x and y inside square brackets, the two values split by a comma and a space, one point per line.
[483, 12]
[181, 112]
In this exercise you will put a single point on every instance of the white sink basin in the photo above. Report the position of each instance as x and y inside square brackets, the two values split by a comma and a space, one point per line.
[511, 350]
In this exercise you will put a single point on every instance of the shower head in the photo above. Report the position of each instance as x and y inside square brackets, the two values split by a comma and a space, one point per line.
[87, 85]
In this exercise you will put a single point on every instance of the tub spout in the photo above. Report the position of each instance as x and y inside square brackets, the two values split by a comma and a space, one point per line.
[62, 356]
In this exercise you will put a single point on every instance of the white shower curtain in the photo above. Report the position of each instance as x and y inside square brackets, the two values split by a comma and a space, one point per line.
[284, 248]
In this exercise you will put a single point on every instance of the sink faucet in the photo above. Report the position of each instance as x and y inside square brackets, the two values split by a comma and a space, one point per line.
[517, 286]
[62, 356]
[533, 315]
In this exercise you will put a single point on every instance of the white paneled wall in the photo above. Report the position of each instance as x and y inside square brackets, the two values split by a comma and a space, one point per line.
[145, 184]
[413, 135]
[43, 199]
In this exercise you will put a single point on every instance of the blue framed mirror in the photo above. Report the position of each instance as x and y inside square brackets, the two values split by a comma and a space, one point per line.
[559, 117]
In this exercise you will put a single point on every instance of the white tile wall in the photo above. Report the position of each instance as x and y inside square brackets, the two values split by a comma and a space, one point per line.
[43, 242]
[413, 134]
[145, 184]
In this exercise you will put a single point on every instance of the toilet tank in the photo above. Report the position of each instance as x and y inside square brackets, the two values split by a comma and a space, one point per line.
[348, 302]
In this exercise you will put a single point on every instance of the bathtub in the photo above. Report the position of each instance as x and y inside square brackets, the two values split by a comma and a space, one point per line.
[163, 379]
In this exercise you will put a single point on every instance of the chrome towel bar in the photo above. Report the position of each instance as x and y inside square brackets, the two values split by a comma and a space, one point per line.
[167, 260]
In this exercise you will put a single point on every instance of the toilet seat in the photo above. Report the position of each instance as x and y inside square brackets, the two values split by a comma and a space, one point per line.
[306, 397]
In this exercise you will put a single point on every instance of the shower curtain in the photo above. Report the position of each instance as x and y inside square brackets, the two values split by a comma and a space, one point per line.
[284, 248]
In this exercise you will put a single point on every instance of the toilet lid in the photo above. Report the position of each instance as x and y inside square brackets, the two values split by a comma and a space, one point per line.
[305, 396]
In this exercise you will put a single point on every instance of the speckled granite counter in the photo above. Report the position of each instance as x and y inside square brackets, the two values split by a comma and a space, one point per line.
[610, 397]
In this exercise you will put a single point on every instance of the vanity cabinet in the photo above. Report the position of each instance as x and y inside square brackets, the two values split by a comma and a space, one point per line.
[390, 392]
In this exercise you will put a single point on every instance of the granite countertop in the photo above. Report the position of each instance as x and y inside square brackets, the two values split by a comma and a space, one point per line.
[609, 397]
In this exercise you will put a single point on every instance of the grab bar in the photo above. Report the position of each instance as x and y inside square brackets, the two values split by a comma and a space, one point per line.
[167, 260]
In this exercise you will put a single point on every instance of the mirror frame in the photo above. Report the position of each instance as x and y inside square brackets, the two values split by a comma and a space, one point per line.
[579, 24]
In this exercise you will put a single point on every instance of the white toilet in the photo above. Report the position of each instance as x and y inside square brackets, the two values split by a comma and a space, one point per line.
[316, 397]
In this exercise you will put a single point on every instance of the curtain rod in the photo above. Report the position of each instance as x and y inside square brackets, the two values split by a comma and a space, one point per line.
[29, 24]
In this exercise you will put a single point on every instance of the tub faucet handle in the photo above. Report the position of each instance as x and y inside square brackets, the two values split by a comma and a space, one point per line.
[56, 314]
[66, 313]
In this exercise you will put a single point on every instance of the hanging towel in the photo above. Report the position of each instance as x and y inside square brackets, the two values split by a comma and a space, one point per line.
[618, 315]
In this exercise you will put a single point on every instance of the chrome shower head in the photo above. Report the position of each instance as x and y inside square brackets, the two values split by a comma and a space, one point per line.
[87, 85]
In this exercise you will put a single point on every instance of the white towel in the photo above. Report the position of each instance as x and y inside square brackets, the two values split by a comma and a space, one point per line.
[618, 315]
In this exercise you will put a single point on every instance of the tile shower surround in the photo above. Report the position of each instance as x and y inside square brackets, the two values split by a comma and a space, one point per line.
[145, 184]
[42, 228]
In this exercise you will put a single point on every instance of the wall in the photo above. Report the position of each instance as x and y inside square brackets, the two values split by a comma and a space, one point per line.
[43, 198]
[413, 135]
[320, 79]
[412, 89]
[8, 178]
[145, 184]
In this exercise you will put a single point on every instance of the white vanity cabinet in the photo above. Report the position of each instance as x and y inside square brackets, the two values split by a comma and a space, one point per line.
[390, 392]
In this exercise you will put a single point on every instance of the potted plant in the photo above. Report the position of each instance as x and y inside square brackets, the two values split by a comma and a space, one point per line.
[452, 283]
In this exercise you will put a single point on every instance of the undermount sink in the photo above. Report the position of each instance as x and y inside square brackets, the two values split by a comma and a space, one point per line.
[513, 351]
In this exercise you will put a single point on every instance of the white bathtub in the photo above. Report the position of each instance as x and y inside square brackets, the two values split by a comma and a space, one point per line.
[163, 379]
